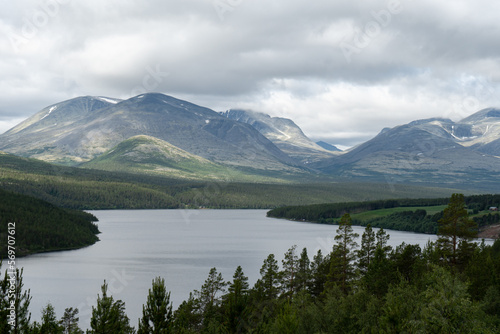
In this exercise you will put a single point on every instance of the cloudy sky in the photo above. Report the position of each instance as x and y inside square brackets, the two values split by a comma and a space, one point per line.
[342, 70]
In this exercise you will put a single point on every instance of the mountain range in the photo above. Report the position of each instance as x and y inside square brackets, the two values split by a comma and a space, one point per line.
[159, 134]
[77, 131]
[430, 151]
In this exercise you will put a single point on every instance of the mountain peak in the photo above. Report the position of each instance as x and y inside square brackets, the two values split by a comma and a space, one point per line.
[283, 132]
[482, 115]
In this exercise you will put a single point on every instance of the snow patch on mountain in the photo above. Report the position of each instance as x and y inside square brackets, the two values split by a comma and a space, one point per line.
[50, 111]
[109, 100]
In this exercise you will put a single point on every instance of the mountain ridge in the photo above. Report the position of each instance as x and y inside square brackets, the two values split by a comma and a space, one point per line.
[90, 131]
[283, 132]
[80, 137]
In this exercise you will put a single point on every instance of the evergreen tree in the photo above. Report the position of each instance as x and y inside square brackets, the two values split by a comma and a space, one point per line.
[455, 227]
[109, 315]
[304, 273]
[319, 273]
[212, 289]
[367, 250]
[69, 321]
[269, 283]
[380, 274]
[210, 298]
[382, 240]
[236, 300]
[289, 273]
[343, 255]
[188, 317]
[4, 303]
[157, 313]
[50, 325]
[11, 291]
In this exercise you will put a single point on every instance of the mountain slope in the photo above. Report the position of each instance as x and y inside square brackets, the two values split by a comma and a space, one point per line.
[149, 155]
[63, 134]
[484, 131]
[327, 146]
[283, 132]
[425, 152]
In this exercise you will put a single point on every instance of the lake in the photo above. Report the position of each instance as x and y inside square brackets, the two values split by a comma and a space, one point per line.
[178, 245]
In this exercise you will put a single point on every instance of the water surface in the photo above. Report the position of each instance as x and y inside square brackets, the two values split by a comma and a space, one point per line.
[178, 245]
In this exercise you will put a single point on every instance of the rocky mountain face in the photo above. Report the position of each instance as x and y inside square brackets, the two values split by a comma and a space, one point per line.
[284, 133]
[430, 151]
[82, 129]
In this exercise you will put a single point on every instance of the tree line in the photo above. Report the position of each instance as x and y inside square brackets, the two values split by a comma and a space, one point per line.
[450, 286]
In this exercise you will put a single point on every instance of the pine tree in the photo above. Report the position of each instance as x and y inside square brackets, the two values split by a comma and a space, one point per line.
[319, 273]
[455, 227]
[269, 282]
[382, 240]
[290, 270]
[50, 325]
[188, 317]
[236, 300]
[109, 315]
[21, 299]
[367, 250]
[157, 313]
[343, 255]
[304, 273]
[69, 321]
[212, 289]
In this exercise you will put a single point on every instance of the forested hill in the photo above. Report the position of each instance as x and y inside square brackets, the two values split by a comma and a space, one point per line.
[40, 226]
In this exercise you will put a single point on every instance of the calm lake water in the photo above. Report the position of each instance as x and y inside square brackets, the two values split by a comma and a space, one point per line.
[178, 245]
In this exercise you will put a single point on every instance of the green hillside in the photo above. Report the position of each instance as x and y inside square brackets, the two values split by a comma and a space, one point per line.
[153, 156]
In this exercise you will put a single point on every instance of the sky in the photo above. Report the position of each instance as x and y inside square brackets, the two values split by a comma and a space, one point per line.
[342, 70]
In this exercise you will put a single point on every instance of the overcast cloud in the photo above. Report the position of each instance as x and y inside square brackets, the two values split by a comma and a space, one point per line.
[341, 70]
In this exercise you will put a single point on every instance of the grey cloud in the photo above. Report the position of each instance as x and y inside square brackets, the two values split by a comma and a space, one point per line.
[243, 55]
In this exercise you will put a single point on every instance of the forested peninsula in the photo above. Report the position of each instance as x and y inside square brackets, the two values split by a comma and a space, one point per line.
[31, 225]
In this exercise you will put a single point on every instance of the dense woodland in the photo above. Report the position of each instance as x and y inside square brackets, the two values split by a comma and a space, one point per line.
[38, 226]
[450, 286]
[411, 220]
[88, 189]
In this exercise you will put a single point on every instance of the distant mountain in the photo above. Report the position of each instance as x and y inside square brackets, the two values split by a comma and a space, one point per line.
[430, 151]
[328, 147]
[83, 128]
[481, 131]
[283, 132]
[157, 134]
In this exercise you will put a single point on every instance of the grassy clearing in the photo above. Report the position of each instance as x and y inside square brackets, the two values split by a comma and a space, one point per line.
[368, 215]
